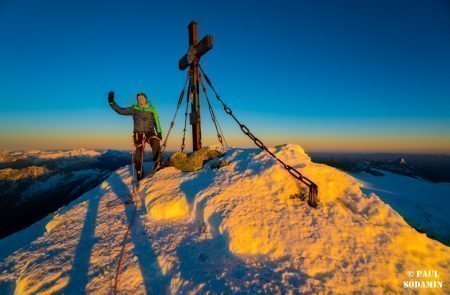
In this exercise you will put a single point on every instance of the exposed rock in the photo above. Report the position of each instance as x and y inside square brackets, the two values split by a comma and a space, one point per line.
[219, 164]
[5, 156]
[192, 162]
[17, 174]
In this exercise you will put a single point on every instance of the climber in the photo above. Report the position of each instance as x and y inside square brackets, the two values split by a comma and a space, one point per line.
[147, 128]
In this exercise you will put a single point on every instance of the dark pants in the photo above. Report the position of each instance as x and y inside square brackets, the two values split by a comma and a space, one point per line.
[139, 139]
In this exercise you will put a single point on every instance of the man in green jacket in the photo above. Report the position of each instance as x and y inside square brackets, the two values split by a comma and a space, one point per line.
[147, 129]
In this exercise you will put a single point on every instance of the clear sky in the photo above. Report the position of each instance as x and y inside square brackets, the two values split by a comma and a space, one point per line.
[329, 75]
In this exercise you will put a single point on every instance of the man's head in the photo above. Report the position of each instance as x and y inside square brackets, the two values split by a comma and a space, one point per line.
[142, 99]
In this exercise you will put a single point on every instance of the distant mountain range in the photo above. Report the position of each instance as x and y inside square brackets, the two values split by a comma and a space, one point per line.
[434, 168]
[241, 227]
[36, 183]
[24, 173]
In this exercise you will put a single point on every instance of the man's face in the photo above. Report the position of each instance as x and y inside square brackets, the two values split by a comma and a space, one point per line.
[142, 100]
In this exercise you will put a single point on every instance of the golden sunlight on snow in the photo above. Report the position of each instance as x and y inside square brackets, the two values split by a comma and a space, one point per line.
[239, 228]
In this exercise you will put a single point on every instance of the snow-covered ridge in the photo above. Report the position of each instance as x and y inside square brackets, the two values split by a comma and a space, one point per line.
[232, 229]
[47, 155]
[4, 156]
[17, 174]
[80, 152]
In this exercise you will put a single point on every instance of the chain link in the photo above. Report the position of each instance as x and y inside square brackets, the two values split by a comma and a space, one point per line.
[188, 99]
[180, 99]
[219, 132]
[313, 188]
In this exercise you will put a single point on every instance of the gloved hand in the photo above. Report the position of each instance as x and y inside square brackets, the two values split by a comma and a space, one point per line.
[111, 97]
[159, 135]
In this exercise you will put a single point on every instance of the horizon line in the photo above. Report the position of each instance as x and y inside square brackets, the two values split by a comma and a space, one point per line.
[148, 150]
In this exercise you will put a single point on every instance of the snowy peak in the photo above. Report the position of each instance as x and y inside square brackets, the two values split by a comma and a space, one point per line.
[47, 155]
[292, 154]
[81, 152]
[17, 174]
[234, 228]
[249, 203]
[4, 156]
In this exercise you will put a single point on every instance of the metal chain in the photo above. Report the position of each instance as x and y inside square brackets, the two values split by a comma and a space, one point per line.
[219, 132]
[180, 99]
[188, 99]
[313, 188]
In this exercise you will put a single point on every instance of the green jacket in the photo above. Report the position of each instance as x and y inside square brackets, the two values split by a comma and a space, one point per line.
[146, 119]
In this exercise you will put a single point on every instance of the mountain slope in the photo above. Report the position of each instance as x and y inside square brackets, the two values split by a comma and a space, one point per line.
[17, 174]
[32, 187]
[237, 228]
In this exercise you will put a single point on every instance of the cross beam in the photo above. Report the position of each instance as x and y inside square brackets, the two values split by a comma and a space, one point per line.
[191, 59]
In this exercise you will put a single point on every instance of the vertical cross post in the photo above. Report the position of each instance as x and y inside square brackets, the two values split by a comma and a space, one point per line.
[191, 59]
[194, 89]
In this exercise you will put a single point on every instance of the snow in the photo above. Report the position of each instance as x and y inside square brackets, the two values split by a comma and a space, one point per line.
[4, 156]
[31, 152]
[233, 229]
[80, 152]
[423, 204]
[39, 156]
[24, 173]
[57, 181]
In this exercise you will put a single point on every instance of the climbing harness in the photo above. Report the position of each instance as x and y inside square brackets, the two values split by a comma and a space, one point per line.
[313, 188]
[192, 59]
[136, 189]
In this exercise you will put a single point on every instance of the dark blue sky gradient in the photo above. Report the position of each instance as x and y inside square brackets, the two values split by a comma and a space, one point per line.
[357, 61]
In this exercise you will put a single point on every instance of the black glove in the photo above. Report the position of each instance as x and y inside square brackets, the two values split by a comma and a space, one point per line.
[159, 135]
[111, 97]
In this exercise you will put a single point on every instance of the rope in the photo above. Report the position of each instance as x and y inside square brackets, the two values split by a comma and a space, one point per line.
[122, 251]
[313, 188]
[131, 201]
[114, 204]
[219, 132]
[130, 225]
[133, 180]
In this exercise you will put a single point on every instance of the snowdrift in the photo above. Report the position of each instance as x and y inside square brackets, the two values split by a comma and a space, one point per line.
[237, 228]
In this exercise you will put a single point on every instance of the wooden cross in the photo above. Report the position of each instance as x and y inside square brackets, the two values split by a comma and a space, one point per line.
[191, 59]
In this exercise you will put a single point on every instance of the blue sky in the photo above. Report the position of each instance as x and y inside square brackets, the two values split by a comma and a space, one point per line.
[330, 75]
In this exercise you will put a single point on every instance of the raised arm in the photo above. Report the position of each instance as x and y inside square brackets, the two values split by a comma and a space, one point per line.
[121, 111]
